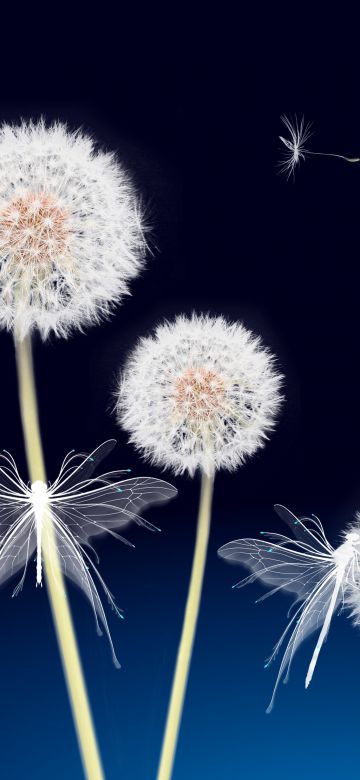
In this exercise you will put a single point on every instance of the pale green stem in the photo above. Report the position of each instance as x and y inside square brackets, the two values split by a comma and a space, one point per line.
[188, 632]
[54, 578]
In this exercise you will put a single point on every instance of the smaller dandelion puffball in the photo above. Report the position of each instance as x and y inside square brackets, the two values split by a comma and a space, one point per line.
[71, 234]
[200, 393]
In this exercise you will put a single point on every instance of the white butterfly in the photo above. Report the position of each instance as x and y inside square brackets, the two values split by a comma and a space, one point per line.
[308, 566]
[81, 506]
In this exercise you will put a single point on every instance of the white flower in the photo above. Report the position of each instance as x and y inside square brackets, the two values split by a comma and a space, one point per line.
[71, 234]
[299, 134]
[199, 393]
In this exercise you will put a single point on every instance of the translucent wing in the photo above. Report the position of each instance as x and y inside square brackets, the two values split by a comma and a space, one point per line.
[17, 526]
[78, 566]
[83, 506]
[14, 494]
[17, 545]
[78, 467]
[308, 530]
[110, 506]
[80, 514]
[318, 607]
[304, 566]
[286, 564]
[10, 513]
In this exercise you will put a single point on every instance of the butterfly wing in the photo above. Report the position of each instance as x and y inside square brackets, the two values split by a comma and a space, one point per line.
[17, 543]
[80, 514]
[83, 506]
[79, 467]
[110, 506]
[17, 530]
[293, 566]
[309, 617]
[308, 530]
[284, 565]
[78, 566]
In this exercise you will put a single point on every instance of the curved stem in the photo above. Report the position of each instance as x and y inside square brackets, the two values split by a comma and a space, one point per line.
[329, 154]
[55, 581]
[188, 632]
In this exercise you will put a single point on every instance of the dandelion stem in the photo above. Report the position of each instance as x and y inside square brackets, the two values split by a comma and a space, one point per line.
[188, 632]
[55, 581]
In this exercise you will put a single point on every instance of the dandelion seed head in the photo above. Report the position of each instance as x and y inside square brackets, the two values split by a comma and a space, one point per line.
[71, 230]
[198, 394]
[201, 393]
[33, 228]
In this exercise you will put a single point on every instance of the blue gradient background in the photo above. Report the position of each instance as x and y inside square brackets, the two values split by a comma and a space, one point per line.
[198, 128]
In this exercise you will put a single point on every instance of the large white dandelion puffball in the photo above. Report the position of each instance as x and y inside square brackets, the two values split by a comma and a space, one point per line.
[200, 393]
[71, 234]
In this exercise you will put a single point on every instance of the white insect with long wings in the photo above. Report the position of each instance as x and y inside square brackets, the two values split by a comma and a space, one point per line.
[81, 506]
[308, 566]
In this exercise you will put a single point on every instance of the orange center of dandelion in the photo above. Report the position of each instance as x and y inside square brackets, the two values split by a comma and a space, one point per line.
[33, 228]
[199, 392]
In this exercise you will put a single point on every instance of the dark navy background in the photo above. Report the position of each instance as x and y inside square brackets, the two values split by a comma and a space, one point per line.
[195, 117]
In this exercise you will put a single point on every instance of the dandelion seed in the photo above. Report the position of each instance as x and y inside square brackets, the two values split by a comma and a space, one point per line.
[299, 133]
[296, 151]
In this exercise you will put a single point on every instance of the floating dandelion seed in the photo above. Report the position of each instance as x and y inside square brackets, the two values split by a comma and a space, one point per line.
[71, 230]
[299, 134]
[322, 577]
[79, 507]
[200, 395]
